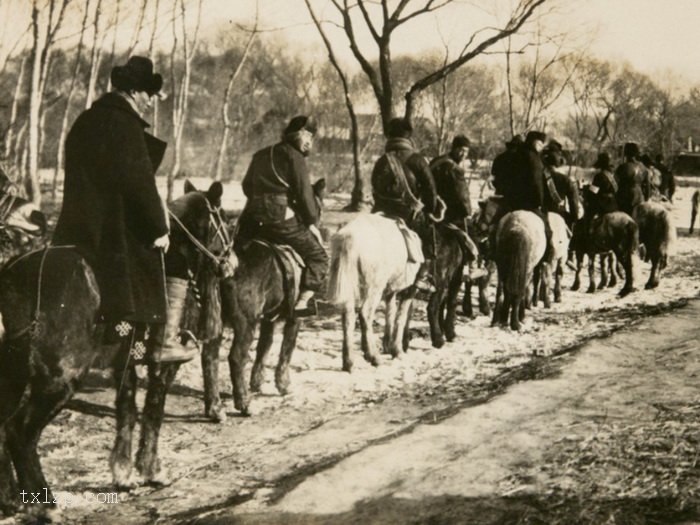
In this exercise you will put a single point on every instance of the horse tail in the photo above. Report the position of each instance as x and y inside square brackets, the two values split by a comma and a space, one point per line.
[344, 280]
[668, 237]
[513, 262]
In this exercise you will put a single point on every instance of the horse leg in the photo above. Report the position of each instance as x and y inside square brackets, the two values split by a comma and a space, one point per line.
[160, 377]
[402, 322]
[498, 305]
[484, 306]
[267, 332]
[125, 404]
[558, 275]
[289, 342]
[467, 309]
[403, 319]
[546, 284]
[244, 332]
[653, 281]
[591, 273]
[9, 491]
[628, 264]
[390, 313]
[434, 312]
[603, 272]
[348, 318]
[213, 407]
[577, 277]
[536, 284]
[23, 432]
[612, 263]
[451, 305]
[515, 312]
[367, 311]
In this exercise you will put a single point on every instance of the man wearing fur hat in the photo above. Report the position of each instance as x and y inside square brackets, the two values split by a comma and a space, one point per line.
[114, 216]
[630, 178]
[452, 187]
[281, 206]
[403, 187]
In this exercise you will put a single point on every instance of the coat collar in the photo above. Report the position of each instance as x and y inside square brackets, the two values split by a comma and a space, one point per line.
[396, 144]
[116, 101]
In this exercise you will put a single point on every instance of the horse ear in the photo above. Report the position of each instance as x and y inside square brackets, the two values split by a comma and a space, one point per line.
[189, 187]
[319, 187]
[214, 193]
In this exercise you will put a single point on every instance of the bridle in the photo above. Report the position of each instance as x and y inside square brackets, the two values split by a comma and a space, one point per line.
[217, 222]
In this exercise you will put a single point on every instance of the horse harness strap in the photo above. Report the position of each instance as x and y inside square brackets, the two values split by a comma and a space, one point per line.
[32, 328]
[203, 249]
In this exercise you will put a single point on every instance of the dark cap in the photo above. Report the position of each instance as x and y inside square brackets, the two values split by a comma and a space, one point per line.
[515, 141]
[301, 122]
[536, 135]
[460, 141]
[603, 162]
[554, 145]
[631, 149]
[399, 128]
[137, 75]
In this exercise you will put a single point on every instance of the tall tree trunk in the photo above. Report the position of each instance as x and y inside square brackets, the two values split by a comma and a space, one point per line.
[15, 103]
[95, 57]
[69, 99]
[219, 167]
[152, 56]
[32, 184]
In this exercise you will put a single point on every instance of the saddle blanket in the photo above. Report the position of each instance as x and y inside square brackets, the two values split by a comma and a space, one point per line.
[414, 246]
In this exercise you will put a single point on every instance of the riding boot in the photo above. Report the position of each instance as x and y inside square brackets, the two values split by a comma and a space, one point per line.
[302, 306]
[424, 278]
[167, 347]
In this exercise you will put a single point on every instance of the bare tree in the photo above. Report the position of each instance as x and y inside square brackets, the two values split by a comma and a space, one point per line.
[95, 55]
[69, 99]
[226, 121]
[380, 76]
[181, 89]
[360, 198]
[41, 50]
[152, 54]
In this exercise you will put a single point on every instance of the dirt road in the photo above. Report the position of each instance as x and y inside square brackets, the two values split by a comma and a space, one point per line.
[498, 461]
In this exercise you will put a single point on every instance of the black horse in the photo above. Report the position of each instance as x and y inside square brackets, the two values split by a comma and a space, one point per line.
[256, 294]
[49, 302]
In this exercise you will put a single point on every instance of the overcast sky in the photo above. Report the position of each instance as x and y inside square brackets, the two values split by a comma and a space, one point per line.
[658, 37]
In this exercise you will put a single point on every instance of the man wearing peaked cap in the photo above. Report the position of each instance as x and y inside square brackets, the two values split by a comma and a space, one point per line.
[281, 206]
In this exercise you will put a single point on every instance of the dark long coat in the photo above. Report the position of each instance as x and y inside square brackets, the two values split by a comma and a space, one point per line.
[451, 185]
[112, 211]
[526, 188]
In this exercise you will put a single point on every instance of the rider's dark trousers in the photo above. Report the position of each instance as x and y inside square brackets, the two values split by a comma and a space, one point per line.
[298, 236]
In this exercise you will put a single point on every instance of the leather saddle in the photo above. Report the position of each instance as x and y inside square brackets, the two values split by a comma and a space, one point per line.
[292, 265]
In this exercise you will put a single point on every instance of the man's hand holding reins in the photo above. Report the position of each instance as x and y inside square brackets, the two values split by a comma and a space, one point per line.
[162, 243]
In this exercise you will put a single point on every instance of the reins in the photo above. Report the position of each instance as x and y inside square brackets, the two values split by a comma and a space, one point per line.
[198, 244]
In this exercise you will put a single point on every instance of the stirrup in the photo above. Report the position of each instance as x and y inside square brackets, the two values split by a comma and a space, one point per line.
[308, 310]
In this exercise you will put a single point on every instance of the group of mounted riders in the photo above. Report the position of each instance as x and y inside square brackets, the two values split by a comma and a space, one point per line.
[113, 215]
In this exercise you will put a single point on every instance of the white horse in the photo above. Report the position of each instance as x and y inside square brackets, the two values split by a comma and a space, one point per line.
[554, 264]
[370, 261]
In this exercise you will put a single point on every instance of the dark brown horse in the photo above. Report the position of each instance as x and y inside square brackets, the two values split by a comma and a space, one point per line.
[255, 295]
[49, 302]
[614, 232]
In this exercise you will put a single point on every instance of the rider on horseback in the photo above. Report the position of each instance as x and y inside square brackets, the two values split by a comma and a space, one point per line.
[453, 189]
[281, 206]
[114, 216]
[525, 187]
[403, 188]
[501, 169]
[630, 177]
[562, 195]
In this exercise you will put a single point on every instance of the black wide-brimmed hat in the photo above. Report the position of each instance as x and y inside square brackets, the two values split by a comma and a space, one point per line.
[137, 75]
[603, 162]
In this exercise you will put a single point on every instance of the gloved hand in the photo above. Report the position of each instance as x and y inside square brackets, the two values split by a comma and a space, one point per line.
[316, 233]
[162, 243]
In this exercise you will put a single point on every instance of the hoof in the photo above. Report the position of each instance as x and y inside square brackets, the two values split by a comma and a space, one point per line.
[256, 386]
[374, 360]
[626, 291]
[217, 415]
[283, 387]
[40, 514]
[347, 366]
[591, 289]
[438, 342]
[160, 480]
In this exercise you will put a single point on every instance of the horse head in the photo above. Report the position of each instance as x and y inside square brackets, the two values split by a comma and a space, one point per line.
[483, 219]
[200, 231]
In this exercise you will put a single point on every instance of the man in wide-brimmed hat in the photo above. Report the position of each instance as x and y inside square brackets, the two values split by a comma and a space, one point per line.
[114, 216]
[630, 179]
[281, 206]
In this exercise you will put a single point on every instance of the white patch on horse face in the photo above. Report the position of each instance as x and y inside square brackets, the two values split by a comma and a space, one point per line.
[21, 218]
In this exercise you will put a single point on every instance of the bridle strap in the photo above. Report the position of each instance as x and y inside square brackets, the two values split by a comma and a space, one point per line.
[203, 249]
